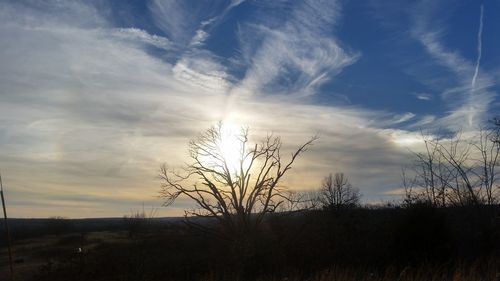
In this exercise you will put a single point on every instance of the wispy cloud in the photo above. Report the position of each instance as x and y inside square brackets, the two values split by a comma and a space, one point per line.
[423, 96]
[188, 24]
[203, 70]
[89, 112]
[298, 54]
[400, 118]
[135, 35]
[426, 121]
[469, 100]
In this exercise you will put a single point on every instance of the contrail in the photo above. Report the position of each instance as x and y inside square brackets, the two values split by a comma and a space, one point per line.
[479, 48]
[478, 62]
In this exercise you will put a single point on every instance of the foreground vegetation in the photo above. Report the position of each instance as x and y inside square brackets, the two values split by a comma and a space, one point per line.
[420, 242]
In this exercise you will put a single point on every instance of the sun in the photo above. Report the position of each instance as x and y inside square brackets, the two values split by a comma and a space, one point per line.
[231, 146]
[224, 149]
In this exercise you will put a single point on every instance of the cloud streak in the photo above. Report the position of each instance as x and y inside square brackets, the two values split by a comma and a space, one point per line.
[90, 109]
[468, 100]
[423, 96]
[298, 54]
[479, 49]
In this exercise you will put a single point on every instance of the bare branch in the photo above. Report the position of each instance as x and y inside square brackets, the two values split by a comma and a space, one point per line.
[237, 197]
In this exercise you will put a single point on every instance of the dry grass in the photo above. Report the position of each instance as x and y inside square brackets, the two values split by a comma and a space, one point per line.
[484, 270]
[32, 254]
[480, 270]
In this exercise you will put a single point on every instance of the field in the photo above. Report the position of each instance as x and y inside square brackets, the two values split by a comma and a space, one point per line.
[359, 244]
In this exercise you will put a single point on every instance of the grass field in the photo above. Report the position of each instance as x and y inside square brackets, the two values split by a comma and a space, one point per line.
[363, 244]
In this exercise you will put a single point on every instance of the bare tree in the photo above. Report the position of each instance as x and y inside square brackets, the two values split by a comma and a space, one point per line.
[297, 201]
[456, 171]
[337, 193]
[235, 190]
[411, 194]
[431, 175]
[489, 152]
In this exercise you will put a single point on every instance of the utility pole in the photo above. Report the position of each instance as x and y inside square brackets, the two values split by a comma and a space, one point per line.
[7, 233]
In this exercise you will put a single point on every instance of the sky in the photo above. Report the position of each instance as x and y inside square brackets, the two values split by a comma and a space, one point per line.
[96, 95]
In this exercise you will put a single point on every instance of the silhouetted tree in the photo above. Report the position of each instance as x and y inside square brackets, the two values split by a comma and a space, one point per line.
[431, 176]
[297, 201]
[238, 193]
[456, 171]
[139, 221]
[337, 193]
[488, 146]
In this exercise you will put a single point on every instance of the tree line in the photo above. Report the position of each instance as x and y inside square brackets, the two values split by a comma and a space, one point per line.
[454, 170]
[457, 170]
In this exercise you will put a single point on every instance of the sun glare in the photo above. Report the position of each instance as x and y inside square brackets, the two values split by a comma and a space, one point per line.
[231, 146]
[405, 139]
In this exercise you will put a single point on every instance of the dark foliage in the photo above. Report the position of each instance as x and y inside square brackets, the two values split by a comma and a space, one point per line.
[300, 244]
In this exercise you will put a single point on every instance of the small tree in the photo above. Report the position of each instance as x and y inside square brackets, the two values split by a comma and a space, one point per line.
[488, 148]
[433, 176]
[457, 171]
[337, 193]
[230, 180]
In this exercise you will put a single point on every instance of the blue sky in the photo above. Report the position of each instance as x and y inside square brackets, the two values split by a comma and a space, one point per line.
[95, 95]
